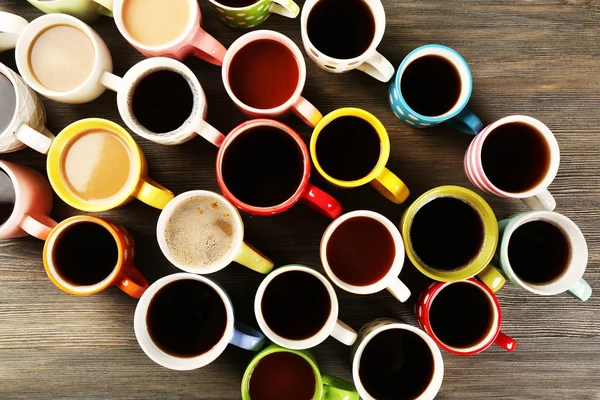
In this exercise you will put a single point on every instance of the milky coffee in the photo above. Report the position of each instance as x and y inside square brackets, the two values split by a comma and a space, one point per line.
[155, 22]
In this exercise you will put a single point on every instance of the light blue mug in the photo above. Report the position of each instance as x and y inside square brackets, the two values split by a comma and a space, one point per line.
[458, 116]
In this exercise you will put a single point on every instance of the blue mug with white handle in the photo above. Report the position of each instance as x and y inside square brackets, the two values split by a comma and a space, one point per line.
[433, 85]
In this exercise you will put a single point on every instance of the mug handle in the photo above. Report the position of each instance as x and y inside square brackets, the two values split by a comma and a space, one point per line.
[132, 282]
[307, 112]
[541, 201]
[111, 81]
[506, 342]
[38, 225]
[343, 333]
[399, 290]
[207, 47]
[247, 338]
[580, 290]
[466, 122]
[391, 187]
[39, 141]
[11, 26]
[251, 258]
[337, 389]
[492, 278]
[208, 132]
[153, 194]
[378, 67]
[287, 8]
[320, 201]
[106, 7]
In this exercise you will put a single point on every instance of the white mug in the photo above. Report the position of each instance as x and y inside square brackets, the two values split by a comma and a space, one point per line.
[390, 281]
[332, 327]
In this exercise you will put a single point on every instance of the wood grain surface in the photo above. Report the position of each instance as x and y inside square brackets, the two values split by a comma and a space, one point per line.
[535, 57]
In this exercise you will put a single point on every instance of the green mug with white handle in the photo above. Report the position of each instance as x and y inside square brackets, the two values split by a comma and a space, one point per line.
[85, 10]
[248, 14]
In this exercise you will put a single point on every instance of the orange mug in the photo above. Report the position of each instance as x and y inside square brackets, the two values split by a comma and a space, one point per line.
[84, 255]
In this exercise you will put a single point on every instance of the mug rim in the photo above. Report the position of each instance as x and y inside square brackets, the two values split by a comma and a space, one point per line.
[10, 75]
[223, 6]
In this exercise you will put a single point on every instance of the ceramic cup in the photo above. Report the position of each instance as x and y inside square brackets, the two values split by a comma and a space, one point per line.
[296, 103]
[124, 275]
[493, 335]
[332, 326]
[381, 178]
[85, 10]
[390, 280]
[480, 265]
[238, 335]
[370, 62]
[253, 14]
[570, 280]
[326, 387]
[458, 117]
[537, 197]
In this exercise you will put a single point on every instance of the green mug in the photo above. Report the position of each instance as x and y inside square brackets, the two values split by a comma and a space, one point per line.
[326, 387]
[85, 10]
[253, 14]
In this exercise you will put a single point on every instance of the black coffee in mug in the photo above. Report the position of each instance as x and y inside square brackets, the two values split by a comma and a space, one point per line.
[396, 364]
[7, 197]
[186, 318]
[296, 305]
[282, 376]
[539, 252]
[237, 3]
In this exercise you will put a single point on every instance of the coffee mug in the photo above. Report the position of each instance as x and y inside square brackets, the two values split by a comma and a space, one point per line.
[257, 72]
[168, 29]
[276, 373]
[211, 221]
[345, 242]
[263, 168]
[395, 360]
[464, 219]
[334, 149]
[85, 10]
[109, 258]
[518, 153]
[240, 335]
[26, 202]
[447, 325]
[297, 308]
[22, 114]
[565, 248]
[416, 102]
[248, 14]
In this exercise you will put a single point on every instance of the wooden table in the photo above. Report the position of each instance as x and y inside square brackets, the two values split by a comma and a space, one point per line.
[534, 57]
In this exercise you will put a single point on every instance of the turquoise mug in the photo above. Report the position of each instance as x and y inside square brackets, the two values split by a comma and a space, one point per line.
[457, 116]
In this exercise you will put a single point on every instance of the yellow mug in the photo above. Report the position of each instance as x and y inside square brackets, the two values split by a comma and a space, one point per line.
[451, 224]
[335, 150]
[95, 165]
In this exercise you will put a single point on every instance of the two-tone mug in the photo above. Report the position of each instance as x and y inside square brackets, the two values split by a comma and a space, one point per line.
[278, 373]
[516, 157]
[451, 234]
[251, 13]
[545, 253]
[85, 10]
[463, 318]
[350, 148]
[185, 321]
[433, 85]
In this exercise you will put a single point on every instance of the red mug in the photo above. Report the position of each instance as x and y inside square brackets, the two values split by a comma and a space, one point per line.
[469, 298]
[263, 167]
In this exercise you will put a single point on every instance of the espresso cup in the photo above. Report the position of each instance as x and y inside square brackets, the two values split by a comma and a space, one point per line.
[248, 14]
[276, 373]
[163, 326]
[516, 157]
[297, 308]
[451, 234]
[263, 168]
[84, 255]
[85, 10]
[25, 202]
[167, 29]
[350, 148]
[354, 30]
[463, 318]
[433, 85]
[264, 74]
[393, 360]
[544, 252]
[363, 253]
[200, 232]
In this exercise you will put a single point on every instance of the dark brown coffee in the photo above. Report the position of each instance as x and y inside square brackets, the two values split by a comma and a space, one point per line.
[348, 148]
[461, 315]
[447, 233]
[7, 197]
[396, 364]
[431, 85]
[296, 305]
[341, 29]
[515, 157]
[8, 102]
[361, 251]
[282, 376]
[85, 253]
[539, 252]
[186, 318]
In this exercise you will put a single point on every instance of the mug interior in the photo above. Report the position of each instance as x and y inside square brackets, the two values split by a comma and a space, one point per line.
[14, 218]
[9, 102]
[225, 7]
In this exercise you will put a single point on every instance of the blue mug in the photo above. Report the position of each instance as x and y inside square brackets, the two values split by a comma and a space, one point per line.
[458, 116]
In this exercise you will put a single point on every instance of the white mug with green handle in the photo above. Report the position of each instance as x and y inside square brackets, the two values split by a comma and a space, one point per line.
[85, 10]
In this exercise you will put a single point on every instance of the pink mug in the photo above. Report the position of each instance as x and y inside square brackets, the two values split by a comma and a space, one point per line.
[32, 203]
